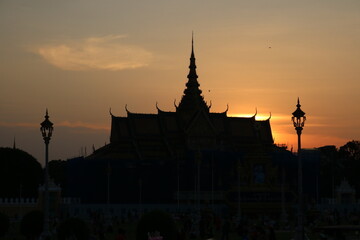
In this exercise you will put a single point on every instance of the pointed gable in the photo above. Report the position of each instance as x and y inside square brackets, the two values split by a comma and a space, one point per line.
[265, 132]
[201, 125]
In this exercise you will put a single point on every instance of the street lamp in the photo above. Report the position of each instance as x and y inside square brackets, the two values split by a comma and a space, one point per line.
[298, 120]
[46, 131]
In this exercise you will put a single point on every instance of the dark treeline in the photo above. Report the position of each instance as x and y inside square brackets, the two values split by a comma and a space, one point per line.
[21, 174]
[339, 164]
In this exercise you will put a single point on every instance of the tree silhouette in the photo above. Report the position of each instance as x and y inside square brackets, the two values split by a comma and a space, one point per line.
[349, 155]
[350, 151]
[20, 173]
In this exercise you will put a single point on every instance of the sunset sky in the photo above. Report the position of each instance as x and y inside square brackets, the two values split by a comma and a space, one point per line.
[79, 58]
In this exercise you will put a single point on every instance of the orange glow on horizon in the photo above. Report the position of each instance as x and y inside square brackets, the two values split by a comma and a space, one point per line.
[75, 124]
[284, 133]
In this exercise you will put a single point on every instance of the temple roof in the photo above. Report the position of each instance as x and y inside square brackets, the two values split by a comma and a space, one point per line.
[157, 136]
[165, 126]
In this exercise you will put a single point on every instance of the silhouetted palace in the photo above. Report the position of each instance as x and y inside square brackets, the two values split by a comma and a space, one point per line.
[147, 137]
[188, 156]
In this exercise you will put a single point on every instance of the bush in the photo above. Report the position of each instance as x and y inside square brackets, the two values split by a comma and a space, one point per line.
[156, 221]
[73, 227]
[31, 225]
[4, 224]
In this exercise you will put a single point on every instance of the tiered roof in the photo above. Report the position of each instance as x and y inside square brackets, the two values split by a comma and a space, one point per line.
[192, 125]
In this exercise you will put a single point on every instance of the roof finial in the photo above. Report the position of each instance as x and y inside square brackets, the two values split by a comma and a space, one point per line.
[14, 144]
[192, 42]
[157, 107]
[127, 110]
[192, 46]
[298, 102]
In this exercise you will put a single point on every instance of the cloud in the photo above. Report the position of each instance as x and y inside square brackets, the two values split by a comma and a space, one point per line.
[95, 53]
[21, 124]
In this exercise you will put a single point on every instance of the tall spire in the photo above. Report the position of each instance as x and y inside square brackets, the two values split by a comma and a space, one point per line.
[192, 76]
[192, 98]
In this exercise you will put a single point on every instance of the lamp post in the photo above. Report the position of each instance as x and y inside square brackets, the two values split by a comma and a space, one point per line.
[46, 131]
[298, 120]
